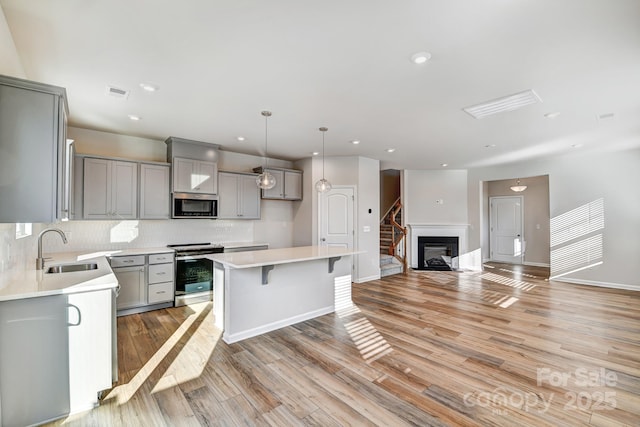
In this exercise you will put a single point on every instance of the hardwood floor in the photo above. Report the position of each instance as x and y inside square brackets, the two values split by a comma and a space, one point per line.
[500, 347]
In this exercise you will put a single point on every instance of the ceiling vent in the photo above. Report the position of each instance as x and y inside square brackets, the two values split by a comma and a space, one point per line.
[506, 103]
[117, 92]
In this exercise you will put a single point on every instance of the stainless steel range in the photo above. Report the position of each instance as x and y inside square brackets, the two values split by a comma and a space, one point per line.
[194, 272]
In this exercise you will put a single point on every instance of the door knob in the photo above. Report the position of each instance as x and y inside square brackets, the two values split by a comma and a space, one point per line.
[323, 240]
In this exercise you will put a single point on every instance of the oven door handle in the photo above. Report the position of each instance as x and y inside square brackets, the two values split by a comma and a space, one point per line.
[188, 257]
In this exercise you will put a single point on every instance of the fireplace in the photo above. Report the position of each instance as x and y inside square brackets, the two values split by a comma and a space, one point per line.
[437, 253]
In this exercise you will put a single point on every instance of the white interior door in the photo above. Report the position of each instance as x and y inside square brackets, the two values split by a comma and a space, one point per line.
[336, 218]
[507, 243]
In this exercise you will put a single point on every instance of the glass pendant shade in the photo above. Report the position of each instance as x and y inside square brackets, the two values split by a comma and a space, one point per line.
[323, 185]
[266, 180]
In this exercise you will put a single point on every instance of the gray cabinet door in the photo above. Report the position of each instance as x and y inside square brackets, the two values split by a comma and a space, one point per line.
[34, 360]
[154, 191]
[195, 176]
[239, 196]
[110, 189]
[292, 185]
[277, 192]
[29, 122]
[132, 287]
[249, 195]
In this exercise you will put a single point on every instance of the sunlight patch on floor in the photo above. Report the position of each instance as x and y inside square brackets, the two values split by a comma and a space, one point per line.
[367, 339]
[525, 286]
[123, 393]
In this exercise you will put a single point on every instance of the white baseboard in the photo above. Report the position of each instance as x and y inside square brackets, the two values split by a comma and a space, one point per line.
[537, 264]
[599, 284]
[239, 336]
[368, 279]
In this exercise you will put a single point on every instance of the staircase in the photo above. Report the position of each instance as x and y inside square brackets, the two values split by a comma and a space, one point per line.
[392, 255]
[385, 238]
[389, 265]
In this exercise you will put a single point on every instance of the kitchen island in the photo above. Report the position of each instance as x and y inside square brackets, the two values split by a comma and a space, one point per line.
[261, 291]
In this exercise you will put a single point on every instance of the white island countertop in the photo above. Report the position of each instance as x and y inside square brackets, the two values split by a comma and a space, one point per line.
[279, 256]
[31, 283]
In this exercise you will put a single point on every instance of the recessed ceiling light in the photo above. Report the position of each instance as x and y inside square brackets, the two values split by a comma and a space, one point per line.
[240, 138]
[444, 165]
[390, 150]
[420, 57]
[500, 105]
[552, 115]
[315, 153]
[134, 117]
[355, 142]
[149, 87]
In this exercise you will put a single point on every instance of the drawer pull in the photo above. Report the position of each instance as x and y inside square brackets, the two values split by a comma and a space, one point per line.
[128, 261]
[161, 292]
[160, 273]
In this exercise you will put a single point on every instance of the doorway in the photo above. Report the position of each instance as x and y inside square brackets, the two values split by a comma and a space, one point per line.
[505, 229]
[336, 217]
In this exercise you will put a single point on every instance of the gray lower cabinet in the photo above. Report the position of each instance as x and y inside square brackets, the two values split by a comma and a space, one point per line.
[56, 355]
[146, 282]
[161, 279]
[238, 196]
[33, 149]
[130, 272]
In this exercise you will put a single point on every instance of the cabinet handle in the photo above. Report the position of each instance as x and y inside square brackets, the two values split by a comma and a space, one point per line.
[161, 292]
[161, 273]
[127, 261]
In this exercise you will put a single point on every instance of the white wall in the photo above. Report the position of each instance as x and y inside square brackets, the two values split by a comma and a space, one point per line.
[10, 64]
[576, 180]
[423, 188]
[364, 174]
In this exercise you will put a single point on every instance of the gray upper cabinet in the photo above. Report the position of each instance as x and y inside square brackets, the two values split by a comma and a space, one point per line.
[194, 176]
[239, 196]
[288, 184]
[154, 191]
[32, 151]
[110, 189]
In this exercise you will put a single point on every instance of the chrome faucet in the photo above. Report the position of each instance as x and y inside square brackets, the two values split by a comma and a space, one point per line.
[40, 260]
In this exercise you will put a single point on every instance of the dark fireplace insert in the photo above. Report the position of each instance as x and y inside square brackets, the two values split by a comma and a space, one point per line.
[437, 252]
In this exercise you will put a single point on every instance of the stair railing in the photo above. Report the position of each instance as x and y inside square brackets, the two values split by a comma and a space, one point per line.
[398, 236]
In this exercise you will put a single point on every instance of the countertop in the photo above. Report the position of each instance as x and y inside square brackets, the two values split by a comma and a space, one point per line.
[36, 283]
[279, 256]
[236, 245]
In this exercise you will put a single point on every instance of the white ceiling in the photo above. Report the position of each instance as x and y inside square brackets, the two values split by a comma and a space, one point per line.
[345, 65]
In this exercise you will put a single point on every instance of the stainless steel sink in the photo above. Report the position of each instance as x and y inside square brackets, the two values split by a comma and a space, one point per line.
[66, 268]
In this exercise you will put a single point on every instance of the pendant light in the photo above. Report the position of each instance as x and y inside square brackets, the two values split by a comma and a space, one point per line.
[518, 187]
[323, 185]
[266, 180]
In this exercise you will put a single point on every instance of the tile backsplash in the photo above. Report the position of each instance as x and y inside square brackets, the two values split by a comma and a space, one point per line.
[20, 254]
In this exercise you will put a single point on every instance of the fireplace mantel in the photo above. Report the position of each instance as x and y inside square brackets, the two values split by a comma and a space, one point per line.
[453, 230]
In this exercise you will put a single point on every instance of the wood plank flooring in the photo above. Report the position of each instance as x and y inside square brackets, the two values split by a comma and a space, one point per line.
[501, 347]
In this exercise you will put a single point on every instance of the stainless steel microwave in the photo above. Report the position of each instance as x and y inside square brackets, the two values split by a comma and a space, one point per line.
[190, 205]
